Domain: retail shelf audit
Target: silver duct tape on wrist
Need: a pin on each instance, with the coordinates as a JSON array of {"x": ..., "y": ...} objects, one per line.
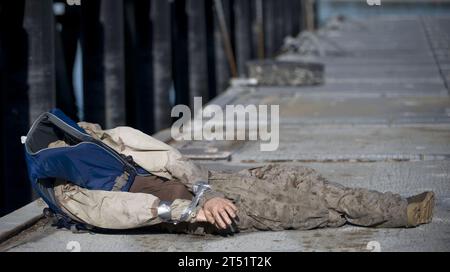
[
  {"x": 199, "y": 189},
  {"x": 164, "y": 211}
]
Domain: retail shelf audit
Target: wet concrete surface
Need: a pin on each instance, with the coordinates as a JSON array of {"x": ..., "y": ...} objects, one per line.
[
  {"x": 353, "y": 143},
  {"x": 331, "y": 109}
]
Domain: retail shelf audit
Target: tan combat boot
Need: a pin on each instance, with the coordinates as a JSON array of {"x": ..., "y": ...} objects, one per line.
[{"x": 420, "y": 209}]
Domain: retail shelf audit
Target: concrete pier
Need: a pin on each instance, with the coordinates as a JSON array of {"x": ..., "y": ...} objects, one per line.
[{"x": 381, "y": 120}]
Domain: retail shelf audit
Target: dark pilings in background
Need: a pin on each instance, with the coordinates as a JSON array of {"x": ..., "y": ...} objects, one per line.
[
  {"x": 162, "y": 62},
  {"x": 282, "y": 18},
  {"x": 14, "y": 185},
  {"x": 296, "y": 17},
  {"x": 92, "y": 40},
  {"x": 40, "y": 25},
  {"x": 67, "y": 45},
  {"x": 287, "y": 13},
  {"x": 103, "y": 62},
  {"x": 223, "y": 70},
  {"x": 180, "y": 53},
  {"x": 197, "y": 49},
  {"x": 139, "y": 75},
  {"x": 269, "y": 27},
  {"x": 258, "y": 29},
  {"x": 112, "y": 19},
  {"x": 309, "y": 14},
  {"x": 279, "y": 25},
  {"x": 210, "y": 48},
  {"x": 65, "y": 98},
  {"x": 243, "y": 34}
]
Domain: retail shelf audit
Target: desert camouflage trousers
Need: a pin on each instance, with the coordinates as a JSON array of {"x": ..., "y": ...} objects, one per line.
[{"x": 277, "y": 197}]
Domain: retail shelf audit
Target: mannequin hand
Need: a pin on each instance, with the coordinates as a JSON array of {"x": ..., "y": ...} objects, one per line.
[{"x": 219, "y": 212}]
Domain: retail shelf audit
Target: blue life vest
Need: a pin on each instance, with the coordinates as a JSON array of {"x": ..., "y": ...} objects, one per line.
[{"x": 86, "y": 162}]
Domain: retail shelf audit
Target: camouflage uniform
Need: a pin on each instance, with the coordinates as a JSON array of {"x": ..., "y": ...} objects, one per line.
[{"x": 277, "y": 197}]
